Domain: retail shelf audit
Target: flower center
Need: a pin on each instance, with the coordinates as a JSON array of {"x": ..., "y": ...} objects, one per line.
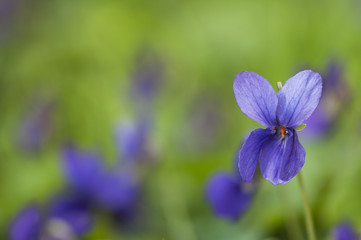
[{"x": 283, "y": 131}]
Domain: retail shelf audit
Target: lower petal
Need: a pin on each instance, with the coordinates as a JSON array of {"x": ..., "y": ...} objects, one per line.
[
  {"x": 282, "y": 158},
  {"x": 249, "y": 153}
]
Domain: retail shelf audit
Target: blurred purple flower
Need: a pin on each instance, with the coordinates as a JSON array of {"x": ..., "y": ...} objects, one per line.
[
  {"x": 333, "y": 77},
  {"x": 335, "y": 94},
  {"x": 148, "y": 75},
  {"x": 67, "y": 219},
  {"x": 116, "y": 191},
  {"x": 82, "y": 169},
  {"x": 75, "y": 211},
  {"x": 228, "y": 196},
  {"x": 110, "y": 189},
  {"x": 280, "y": 154},
  {"x": 36, "y": 127},
  {"x": 344, "y": 231},
  {"x": 26, "y": 225},
  {"x": 132, "y": 140},
  {"x": 318, "y": 124}
]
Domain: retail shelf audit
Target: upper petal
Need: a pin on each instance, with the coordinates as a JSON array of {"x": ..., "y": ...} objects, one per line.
[
  {"x": 256, "y": 98},
  {"x": 281, "y": 159},
  {"x": 249, "y": 153},
  {"x": 298, "y": 98}
]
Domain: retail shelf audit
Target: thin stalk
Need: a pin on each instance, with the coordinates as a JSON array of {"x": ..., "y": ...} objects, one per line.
[{"x": 308, "y": 218}]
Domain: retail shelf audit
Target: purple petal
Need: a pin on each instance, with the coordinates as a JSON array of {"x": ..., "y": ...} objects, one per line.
[
  {"x": 250, "y": 151},
  {"x": 344, "y": 231},
  {"x": 298, "y": 98},
  {"x": 116, "y": 191},
  {"x": 256, "y": 98},
  {"x": 82, "y": 169},
  {"x": 26, "y": 225},
  {"x": 281, "y": 159},
  {"x": 75, "y": 212},
  {"x": 227, "y": 197}
]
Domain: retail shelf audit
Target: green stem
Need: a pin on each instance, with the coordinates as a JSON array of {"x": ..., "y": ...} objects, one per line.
[{"x": 308, "y": 218}]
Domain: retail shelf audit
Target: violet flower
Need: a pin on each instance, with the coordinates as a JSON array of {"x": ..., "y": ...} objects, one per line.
[
  {"x": 228, "y": 196},
  {"x": 280, "y": 154},
  {"x": 344, "y": 231}
]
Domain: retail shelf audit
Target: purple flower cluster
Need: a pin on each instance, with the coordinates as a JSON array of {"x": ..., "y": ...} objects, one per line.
[
  {"x": 91, "y": 186},
  {"x": 280, "y": 154}
]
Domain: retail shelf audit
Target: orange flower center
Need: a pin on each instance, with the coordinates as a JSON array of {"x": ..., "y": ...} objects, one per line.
[{"x": 283, "y": 131}]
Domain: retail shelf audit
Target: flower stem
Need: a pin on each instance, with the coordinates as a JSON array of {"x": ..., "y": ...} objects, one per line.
[{"x": 308, "y": 218}]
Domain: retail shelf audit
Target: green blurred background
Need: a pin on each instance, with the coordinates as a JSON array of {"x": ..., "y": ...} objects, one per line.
[{"x": 82, "y": 56}]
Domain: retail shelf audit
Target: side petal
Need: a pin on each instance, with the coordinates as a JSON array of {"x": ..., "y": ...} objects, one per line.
[
  {"x": 256, "y": 98},
  {"x": 250, "y": 151},
  {"x": 281, "y": 159},
  {"x": 298, "y": 98}
]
